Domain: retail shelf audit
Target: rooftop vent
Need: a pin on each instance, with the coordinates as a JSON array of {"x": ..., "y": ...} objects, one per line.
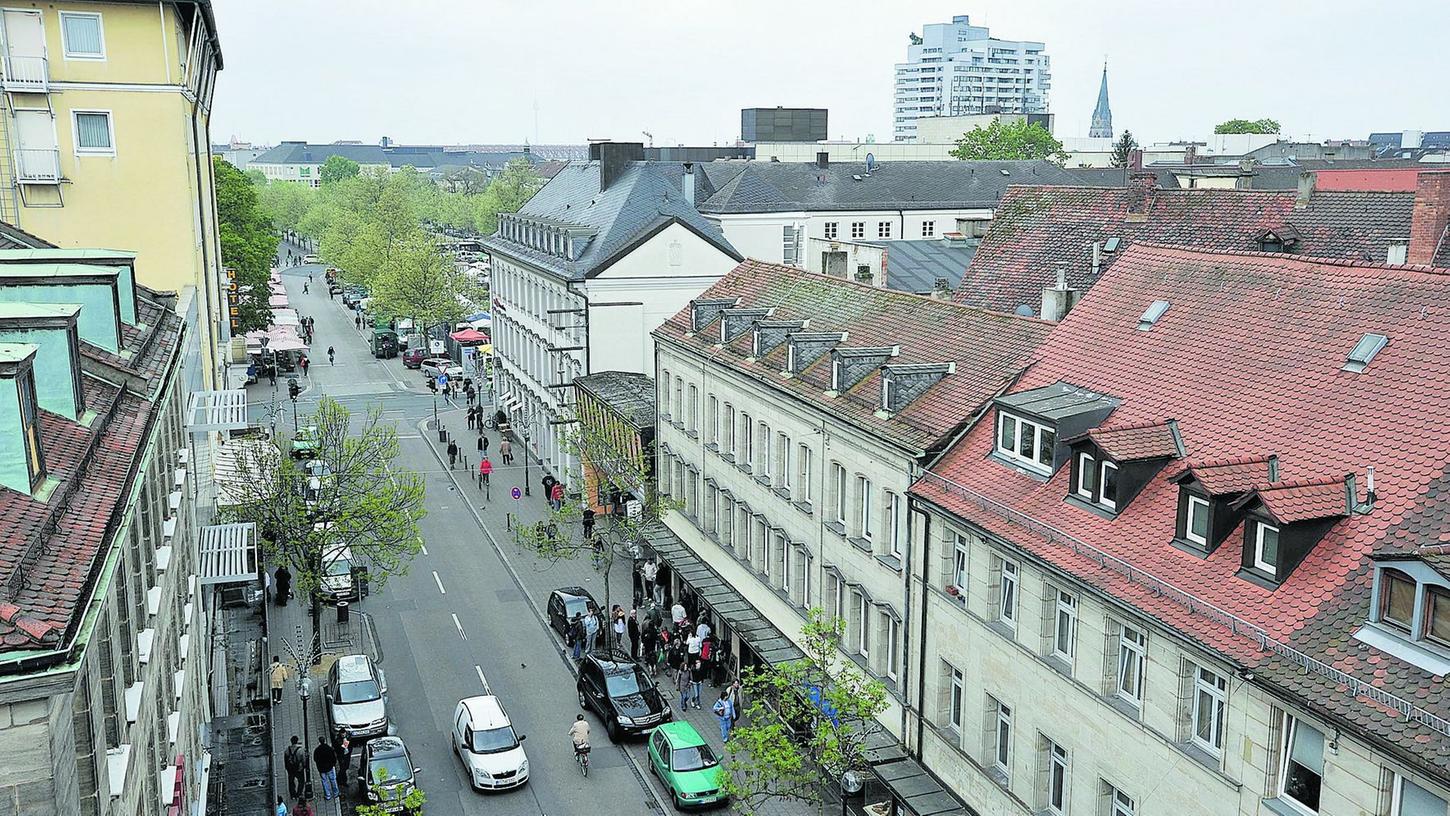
[
  {"x": 1364, "y": 351},
  {"x": 1152, "y": 314}
]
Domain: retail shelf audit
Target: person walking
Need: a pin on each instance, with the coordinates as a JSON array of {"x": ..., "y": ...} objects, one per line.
[
  {"x": 650, "y": 570},
  {"x": 692, "y": 646},
  {"x": 588, "y": 521},
  {"x": 482, "y": 440},
  {"x": 278, "y": 674},
  {"x": 295, "y": 761},
  {"x": 724, "y": 712},
  {"x": 272, "y": 374},
  {"x": 485, "y": 469},
  {"x": 697, "y": 678},
  {"x": 281, "y": 807},
  {"x": 304, "y": 287},
  {"x": 591, "y": 630},
  {"x": 547, "y": 482},
  {"x": 326, "y": 762},
  {"x": 452, "y": 454},
  {"x": 577, "y": 634},
  {"x": 556, "y": 496},
  {"x": 506, "y": 450},
  {"x": 677, "y": 614},
  {"x": 283, "y": 584},
  {"x": 303, "y": 808},
  {"x": 619, "y": 628},
  {"x": 682, "y": 683},
  {"x": 331, "y": 356},
  {"x": 650, "y": 642},
  {"x": 469, "y": 416},
  {"x": 342, "y": 749},
  {"x": 632, "y": 628},
  {"x": 304, "y": 363}
]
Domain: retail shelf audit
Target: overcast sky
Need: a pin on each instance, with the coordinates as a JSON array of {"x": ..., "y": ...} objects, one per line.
[{"x": 551, "y": 71}]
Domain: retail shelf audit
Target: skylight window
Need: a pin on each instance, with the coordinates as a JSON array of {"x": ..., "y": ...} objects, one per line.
[
  {"x": 1152, "y": 314},
  {"x": 1364, "y": 351},
  {"x": 1112, "y": 244}
]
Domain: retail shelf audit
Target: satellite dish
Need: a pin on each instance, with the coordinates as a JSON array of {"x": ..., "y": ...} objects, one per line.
[{"x": 870, "y": 162}]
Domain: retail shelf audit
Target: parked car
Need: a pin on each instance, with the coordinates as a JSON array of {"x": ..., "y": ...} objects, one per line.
[
  {"x": 311, "y": 259},
  {"x": 433, "y": 366},
  {"x": 334, "y": 288},
  {"x": 338, "y": 579},
  {"x": 486, "y": 744},
  {"x": 357, "y": 698},
  {"x": 305, "y": 442},
  {"x": 386, "y": 775},
  {"x": 562, "y": 605},
  {"x": 687, "y": 766},
  {"x": 413, "y": 357},
  {"x": 621, "y": 693}
]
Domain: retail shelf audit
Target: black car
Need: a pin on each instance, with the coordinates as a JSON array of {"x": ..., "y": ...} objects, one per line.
[
  {"x": 385, "y": 774},
  {"x": 564, "y": 602},
  {"x": 622, "y": 694}
]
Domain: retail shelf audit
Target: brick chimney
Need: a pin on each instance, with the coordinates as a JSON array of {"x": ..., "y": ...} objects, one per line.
[
  {"x": 1305, "y": 189},
  {"x": 1142, "y": 186},
  {"x": 1430, "y": 216}
]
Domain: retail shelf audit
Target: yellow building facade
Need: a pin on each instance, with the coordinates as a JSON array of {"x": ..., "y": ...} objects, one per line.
[{"x": 105, "y": 141}]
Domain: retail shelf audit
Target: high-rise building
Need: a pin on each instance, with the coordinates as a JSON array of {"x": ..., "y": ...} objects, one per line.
[
  {"x": 1102, "y": 126},
  {"x": 956, "y": 68}
]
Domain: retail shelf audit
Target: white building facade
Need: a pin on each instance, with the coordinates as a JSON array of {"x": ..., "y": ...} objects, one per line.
[{"x": 956, "y": 69}]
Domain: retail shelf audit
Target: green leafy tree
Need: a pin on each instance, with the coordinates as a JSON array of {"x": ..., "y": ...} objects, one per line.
[
  {"x": 509, "y": 191},
  {"x": 353, "y": 496},
  {"x": 1248, "y": 126},
  {"x": 381, "y": 797},
  {"x": 337, "y": 168},
  {"x": 791, "y": 744},
  {"x": 248, "y": 244},
  {"x": 1008, "y": 141},
  {"x": 1123, "y": 149},
  {"x": 423, "y": 284}
]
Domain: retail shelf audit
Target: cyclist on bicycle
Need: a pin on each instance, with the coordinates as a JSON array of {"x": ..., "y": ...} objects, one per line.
[
  {"x": 579, "y": 734},
  {"x": 331, "y": 354}
]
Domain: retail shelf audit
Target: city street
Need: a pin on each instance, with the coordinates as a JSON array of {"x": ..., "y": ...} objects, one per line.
[{"x": 459, "y": 622}]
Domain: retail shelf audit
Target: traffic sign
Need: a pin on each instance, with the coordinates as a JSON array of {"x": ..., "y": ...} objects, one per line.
[{"x": 516, "y": 493}]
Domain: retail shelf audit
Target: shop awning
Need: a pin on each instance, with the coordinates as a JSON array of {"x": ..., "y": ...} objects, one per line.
[
  {"x": 470, "y": 336},
  {"x": 228, "y": 553},
  {"x": 208, "y": 411},
  {"x": 916, "y": 791},
  {"x": 277, "y": 301}
]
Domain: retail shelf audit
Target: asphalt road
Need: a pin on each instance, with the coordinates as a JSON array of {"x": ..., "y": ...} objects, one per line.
[{"x": 457, "y": 623}]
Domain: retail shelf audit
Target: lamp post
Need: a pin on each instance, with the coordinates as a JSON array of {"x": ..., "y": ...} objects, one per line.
[
  {"x": 304, "y": 690},
  {"x": 851, "y": 785}
]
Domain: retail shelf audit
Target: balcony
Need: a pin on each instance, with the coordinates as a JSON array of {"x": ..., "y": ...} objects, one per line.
[
  {"x": 37, "y": 165},
  {"x": 26, "y": 74}
]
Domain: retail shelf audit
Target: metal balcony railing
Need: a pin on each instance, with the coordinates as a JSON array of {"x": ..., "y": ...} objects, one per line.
[
  {"x": 37, "y": 165},
  {"x": 27, "y": 74},
  {"x": 1355, "y": 686}
]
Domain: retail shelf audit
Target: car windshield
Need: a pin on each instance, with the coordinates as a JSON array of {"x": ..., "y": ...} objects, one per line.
[
  {"x": 387, "y": 770},
  {"x": 358, "y": 691},
  {"x": 695, "y": 758},
  {"x": 493, "y": 740},
  {"x": 625, "y": 682},
  {"x": 573, "y": 603},
  {"x": 338, "y": 566}
]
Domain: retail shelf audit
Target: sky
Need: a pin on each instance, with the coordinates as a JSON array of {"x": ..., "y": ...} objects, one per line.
[{"x": 563, "y": 71}]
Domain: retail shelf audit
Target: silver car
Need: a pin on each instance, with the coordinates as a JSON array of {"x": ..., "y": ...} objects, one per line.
[{"x": 357, "y": 698}]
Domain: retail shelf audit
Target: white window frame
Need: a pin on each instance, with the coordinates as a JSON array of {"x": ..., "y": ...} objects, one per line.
[
  {"x": 863, "y": 506},
  {"x": 712, "y": 419},
  {"x": 1118, "y": 802},
  {"x": 832, "y": 229},
  {"x": 78, "y": 56},
  {"x": 1002, "y": 739},
  {"x": 893, "y": 524},
  {"x": 1397, "y": 803},
  {"x": 1058, "y": 767},
  {"x": 763, "y": 444},
  {"x": 746, "y": 457},
  {"x": 1019, "y": 424},
  {"x": 883, "y": 229},
  {"x": 1087, "y": 465},
  {"x": 1211, "y": 686},
  {"x": 838, "y": 476},
  {"x": 928, "y": 229},
  {"x": 1201, "y": 506},
  {"x": 76, "y": 132},
  {"x": 1259, "y": 563},
  {"x": 1291, "y": 731},
  {"x": 891, "y": 660},
  {"x": 1064, "y": 621},
  {"x": 730, "y": 432},
  {"x": 803, "y": 461},
  {"x": 957, "y": 699},
  {"x": 858, "y": 229},
  {"x": 1111, "y": 504},
  {"x": 783, "y": 451},
  {"x": 961, "y": 562},
  {"x": 1007, "y": 593},
  {"x": 692, "y": 409},
  {"x": 863, "y": 628},
  {"x": 1132, "y": 646}
]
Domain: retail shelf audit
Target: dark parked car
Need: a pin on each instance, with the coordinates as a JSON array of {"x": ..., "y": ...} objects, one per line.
[
  {"x": 334, "y": 288},
  {"x": 622, "y": 694},
  {"x": 413, "y": 357},
  {"x": 564, "y": 602},
  {"x": 386, "y": 774}
]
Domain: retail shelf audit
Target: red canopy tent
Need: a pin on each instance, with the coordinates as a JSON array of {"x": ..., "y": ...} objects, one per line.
[{"x": 469, "y": 337}]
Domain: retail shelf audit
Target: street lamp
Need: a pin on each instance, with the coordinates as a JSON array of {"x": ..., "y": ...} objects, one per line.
[
  {"x": 851, "y": 784},
  {"x": 304, "y": 690}
]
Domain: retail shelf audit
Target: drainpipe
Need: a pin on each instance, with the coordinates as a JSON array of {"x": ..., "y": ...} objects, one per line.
[
  {"x": 915, "y": 750},
  {"x": 912, "y": 473}
]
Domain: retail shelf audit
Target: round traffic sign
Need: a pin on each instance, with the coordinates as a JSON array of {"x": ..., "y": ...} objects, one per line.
[{"x": 516, "y": 493}]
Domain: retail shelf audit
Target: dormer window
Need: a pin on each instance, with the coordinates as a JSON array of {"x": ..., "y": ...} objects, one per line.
[
  {"x": 1397, "y": 599},
  {"x": 1266, "y": 546},
  {"x": 1087, "y": 476},
  {"x": 1195, "y": 520},
  {"x": 1108, "y": 479},
  {"x": 1025, "y": 442},
  {"x": 1095, "y": 480},
  {"x": 1410, "y": 613}
]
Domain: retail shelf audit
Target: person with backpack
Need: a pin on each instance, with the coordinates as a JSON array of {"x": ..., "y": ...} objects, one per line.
[
  {"x": 295, "y": 761},
  {"x": 577, "y": 635}
]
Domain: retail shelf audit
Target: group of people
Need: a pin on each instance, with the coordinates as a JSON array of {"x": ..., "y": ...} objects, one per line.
[
  {"x": 331, "y": 757},
  {"x": 553, "y": 491}
]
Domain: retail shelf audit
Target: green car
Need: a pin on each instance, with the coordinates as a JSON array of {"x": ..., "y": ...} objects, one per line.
[
  {"x": 304, "y": 442},
  {"x": 681, "y": 758}
]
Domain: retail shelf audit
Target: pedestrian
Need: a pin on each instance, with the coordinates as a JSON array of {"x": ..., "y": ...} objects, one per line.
[
  {"x": 331, "y": 356},
  {"x": 702, "y": 629},
  {"x": 357, "y": 322},
  {"x": 303, "y": 808},
  {"x": 591, "y": 630},
  {"x": 304, "y": 362},
  {"x": 283, "y": 585},
  {"x": 482, "y": 442},
  {"x": 650, "y": 643},
  {"x": 342, "y": 748},
  {"x": 505, "y": 450},
  {"x": 577, "y": 634},
  {"x": 736, "y": 700},
  {"x": 281, "y": 807},
  {"x": 485, "y": 469},
  {"x": 279, "y": 674},
  {"x": 692, "y": 646},
  {"x": 452, "y": 454},
  {"x": 304, "y": 287},
  {"x": 547, "y": 482},
  {"x": 677, "y": 614},
  {"x": 682, "y": 684},
  {"x": 697, "y": 677},
  {"x": 272, "y": 374},
  {"x": 632, "y": 627},
  {"x": 724, "y": 712},
  {"x": 588, "y": 517},
  {"x": 295, "y": 761},
  {"x": 326, "y": 762},
  {"x": 650, "y": 571},
  {"x": 619, "y": 627},
  {"x": 469, "y": 415},
  {"x": 556, "y": 496}
]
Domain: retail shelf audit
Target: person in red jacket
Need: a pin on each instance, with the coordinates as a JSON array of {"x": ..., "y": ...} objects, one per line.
[
  {"x": 556, "y": 495},
  {"x": 485, "y": 469}
]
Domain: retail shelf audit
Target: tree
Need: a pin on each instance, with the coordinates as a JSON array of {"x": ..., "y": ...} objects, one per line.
[
  {"x": 508, "y": 192},
  {"x": 248, "y": 244},
  {"x": 412, "y": 802},
  {"x": 1008, "y": 141},
  {"x": 807, "y": 721},
  {"x": 1248, "y": 126},
  {"x": 337, "y": 168},
  {"x": 422, "y": 284},
  {"x": 1123, "y": 149},
  {"x": 354, "y": 496}
]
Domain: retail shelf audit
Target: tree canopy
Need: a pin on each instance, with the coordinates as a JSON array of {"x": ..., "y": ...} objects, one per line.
[
  {"x": 1123, "y": 149},
  {"x": 1248, "y": 126},
  {"x": 248, "y": 244},
  {"x": 337, "y": 168},
  {"x": 1007, "y": 141}
]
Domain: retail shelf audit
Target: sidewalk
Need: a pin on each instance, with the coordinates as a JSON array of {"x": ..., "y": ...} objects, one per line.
[
  {"x": 290, "y": 626},
  {"x": 540, "y": 576}
]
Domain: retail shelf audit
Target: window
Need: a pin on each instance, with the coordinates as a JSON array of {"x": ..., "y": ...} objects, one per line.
[
  {"x": 1001, "y": 737},
  {"x": 960, "y": 556},
  {"x": 747, "y": 446},
  {"x": 891, "y": 628},
  {"x": 665, "y": 392},
  {"x": 1303, "y": 763},
  {"x": 1064, "y": 632},
  {"x": 1412, "y": 800},
  {"x": 729, "y": 429},
  {"x": 803, "y": 474},
  {"x": 883, "y": 229},
  {"x": 831, "y": 229},
  {"x": 82, "y": 35},
  {"x": 1109, "y": 483},
  {"x": 863, "y": 507},
  {"x": 93, "y": 133},
  {"x": 1397, "y": 599},
  {"x": 1195, "y": 520},
  {"x": 790, "y": 238},
  {"x": 762, "y": 447},
  {"x": 928, "y": 229},
  {"x": 838, "y": 597},
  {"x": 1117, "y": 803},
  {"x": 692, "y": 410},
  {"x": 1024, "y": 441},
  {"x": 858, "y": 229},
  {"x": 1266, "y": 547},
  {"x": 1087, "y": 476},
  {"x": 783, "y": 470},
  {"x": 838, "y": 482},
  {"x": 712, "y": 420},
  {"x": 30, "y": 428},
  {"x": 893, "y": 524},
  {"x": 678, "y": 401},
  {"x": 1056, "y": 793},
  {"x": 863, "y": 624},
  {"x": 1007, "y": 594},
  {"x": 957, "y": 695},
  {"x": 1437, "y": 615},
  {"x": 1210, "y": 706},
  {"x": 1132, "y": 657}
]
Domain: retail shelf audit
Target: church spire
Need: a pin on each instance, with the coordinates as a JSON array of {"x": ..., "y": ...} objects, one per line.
[{"x": 1102, "y": 126}]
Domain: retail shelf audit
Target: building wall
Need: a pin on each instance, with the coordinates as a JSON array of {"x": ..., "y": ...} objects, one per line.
[
  {"x": 853, "y": 151},
  {"x": 763, "y": 235}
]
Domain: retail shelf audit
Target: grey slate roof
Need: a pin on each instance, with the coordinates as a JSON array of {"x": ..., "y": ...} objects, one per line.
[
  {"x": 630, "y": 393},
  {"x": 422, "y": 157},
  {"x": 645, "y": 198},
  {"x": 753, "y": 187},
  {"x": 13, "y": 237},
  {"x": 914, "y": 266}
]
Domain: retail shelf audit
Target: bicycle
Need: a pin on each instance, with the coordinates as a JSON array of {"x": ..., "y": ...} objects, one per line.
[{"x": 581, "y": 756}]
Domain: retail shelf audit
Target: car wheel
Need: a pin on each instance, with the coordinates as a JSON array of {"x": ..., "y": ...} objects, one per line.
[
  {"x": 675, "y": 799},
  {"x": 613, "y": 730}
]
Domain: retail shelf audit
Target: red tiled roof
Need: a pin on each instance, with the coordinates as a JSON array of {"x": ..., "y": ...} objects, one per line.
[
  {"x": 1303, "y": 501},
  {"x": 1037, "y": 230},
  {"x": 1228, "y": 477},
  {"x": 989, "y": 348},
  {"x": 1249, "y": 359},
  {"x": 1129, "y": 443}
]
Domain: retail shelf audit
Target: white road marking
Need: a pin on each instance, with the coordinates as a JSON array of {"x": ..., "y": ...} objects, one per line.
[
  {"x": 423, "y": 547},
  {"x": 459, "y": 627},
  {"x": 439, "y": 582},
  {"x": 483, "y": 680}
]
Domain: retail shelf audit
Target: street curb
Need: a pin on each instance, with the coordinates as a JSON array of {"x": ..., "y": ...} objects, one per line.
[{"x": 639, "y": 772}]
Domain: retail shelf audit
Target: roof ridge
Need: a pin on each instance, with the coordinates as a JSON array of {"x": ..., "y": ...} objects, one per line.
[
  {"x": 1228, "y": 461},
  {"x": 1282, "y": 256},
  {"x": 1323, "y": 481},
  {"x": 1132, "y": 426}
]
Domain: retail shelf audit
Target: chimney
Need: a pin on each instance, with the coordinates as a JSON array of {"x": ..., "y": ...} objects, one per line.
[
  {"x": 1306, "y": 189},
  {"x": 614, "y": 159},
  {"x": 1142, "y": 186},
  {"x": 688, "y": 184},
  {"x": 823, "y": 159},
  {"x": 941, "y": 289},
  {"x": 1430, "y": 215},
  {"x": 1135, "y": 159},
  {"x": 1059, "y": 299}
]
